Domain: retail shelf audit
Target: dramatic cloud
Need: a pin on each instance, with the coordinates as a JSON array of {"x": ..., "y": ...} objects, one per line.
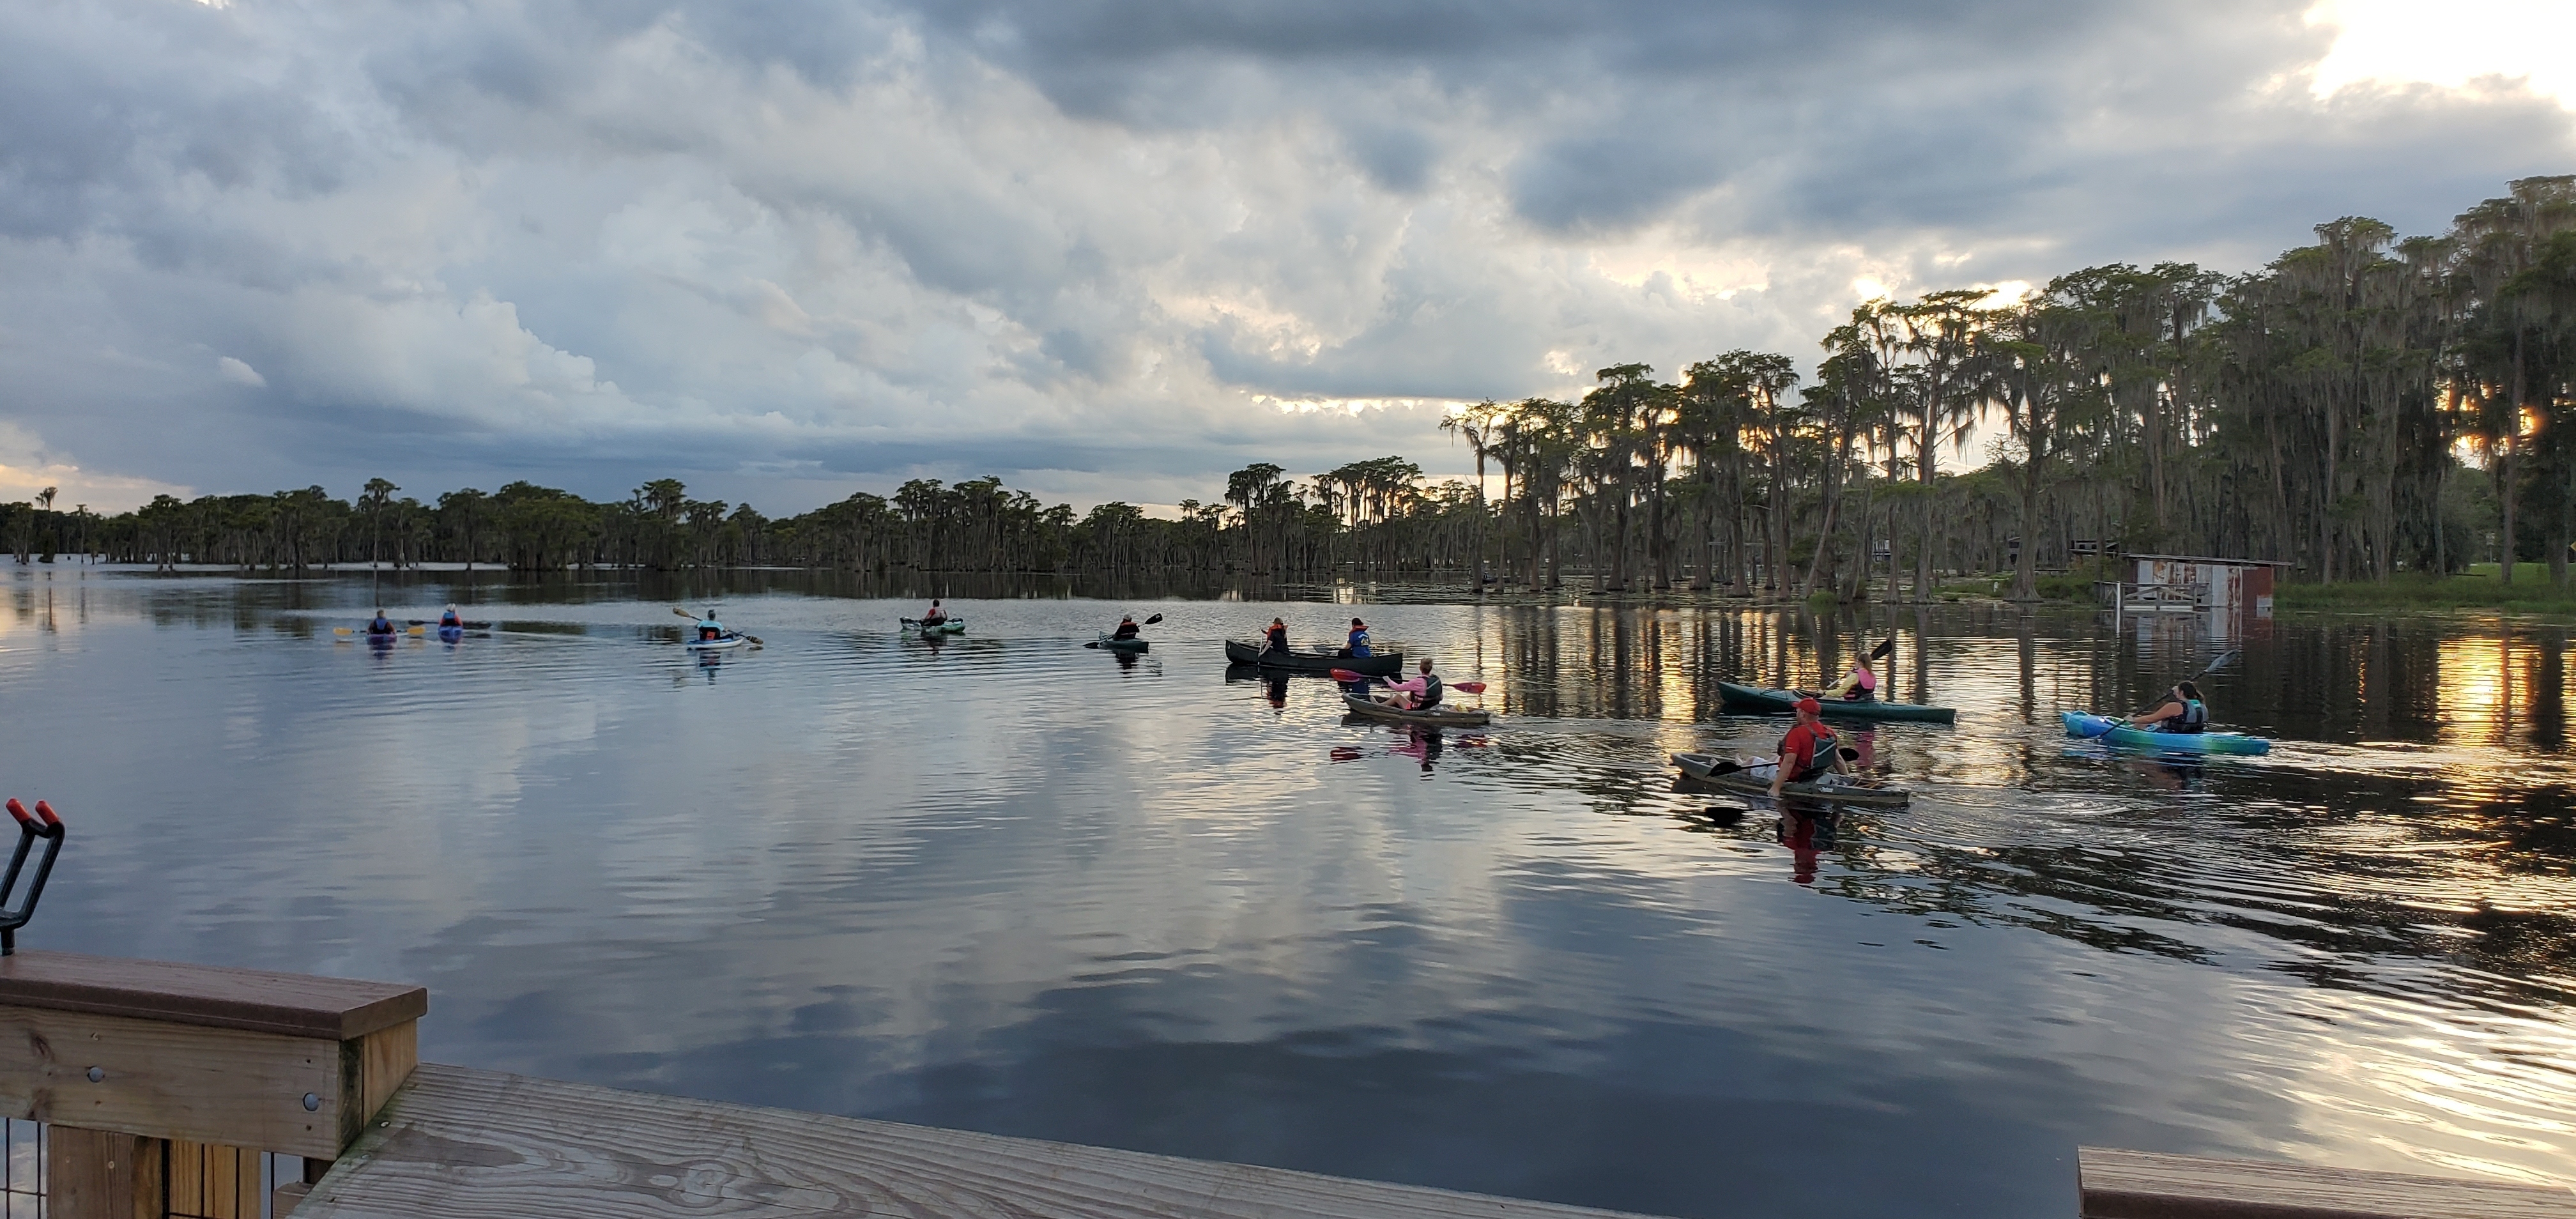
[{"x": 1104, "y": 248}]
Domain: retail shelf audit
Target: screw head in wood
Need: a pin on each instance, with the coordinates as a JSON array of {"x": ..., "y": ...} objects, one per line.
[
  {"x": 98, "y": 1075},
  {"x": 311, "y": 1102}
]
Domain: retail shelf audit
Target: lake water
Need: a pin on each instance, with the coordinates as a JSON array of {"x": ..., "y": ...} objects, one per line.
[{"x": 1010, "y": 884}]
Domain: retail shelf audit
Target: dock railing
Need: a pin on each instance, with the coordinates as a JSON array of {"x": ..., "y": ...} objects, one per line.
[{"x": 162, "y": 1085}]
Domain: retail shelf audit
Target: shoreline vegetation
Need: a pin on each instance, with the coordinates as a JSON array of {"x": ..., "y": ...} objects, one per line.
[{"x": 2394, "y": 418}]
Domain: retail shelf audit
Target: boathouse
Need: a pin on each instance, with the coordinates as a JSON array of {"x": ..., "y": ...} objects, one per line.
[{"x": 2226, "y": 586}]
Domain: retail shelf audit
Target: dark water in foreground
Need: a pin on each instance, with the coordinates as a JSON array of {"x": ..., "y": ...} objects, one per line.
[{"x": 1014, "y": 885}]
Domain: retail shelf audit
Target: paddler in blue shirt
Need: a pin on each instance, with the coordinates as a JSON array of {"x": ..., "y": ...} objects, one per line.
[
  {"x": 1359, "y": 639},
  {"x": 709, "y": 628}
]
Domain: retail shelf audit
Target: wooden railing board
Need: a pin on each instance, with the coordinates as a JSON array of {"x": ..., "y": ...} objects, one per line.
[
  {"x": 253, "y": 1000},
  {"x": 2147, "y": 1185},
  {"x": 465, "y": 1144}
]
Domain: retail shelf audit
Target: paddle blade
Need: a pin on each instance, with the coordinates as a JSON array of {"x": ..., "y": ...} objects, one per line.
[
  {"x": 1347, "y": 675},
  {"x": 1093, "y": 644},
  {"x": 1151, "y": 621},
  {"x": 1470, "y": 687},
  {"x": 342, "y": 630},
  {"x": 418, "y": 630},
  {"x": 1884, "y": 650},
  {"x": 681, "y": 612}
]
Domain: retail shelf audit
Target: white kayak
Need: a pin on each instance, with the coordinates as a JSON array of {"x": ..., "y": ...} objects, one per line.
[{"x": 717, "y": 644}]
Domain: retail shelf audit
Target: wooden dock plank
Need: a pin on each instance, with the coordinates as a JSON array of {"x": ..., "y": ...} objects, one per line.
[
  {"x": 2146, "y": 1185},
  {"x": 334, "y": 1009},
  {"x": 176, "y": 1081},
  {"x": 464, "y": 1144}
]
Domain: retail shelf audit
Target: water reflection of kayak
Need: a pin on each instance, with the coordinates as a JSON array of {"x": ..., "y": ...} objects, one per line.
[
  {"x": 1785, "y": 702},
  {"x": 1706, "y": 767},
  {"x": 2112, "y": 732}
]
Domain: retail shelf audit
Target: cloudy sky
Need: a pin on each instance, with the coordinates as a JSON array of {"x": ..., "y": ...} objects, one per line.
[{"x": 1106, "y": 249}]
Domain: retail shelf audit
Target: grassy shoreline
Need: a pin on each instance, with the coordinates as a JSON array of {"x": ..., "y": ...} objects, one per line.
[{"x": 2477, "y": 588}]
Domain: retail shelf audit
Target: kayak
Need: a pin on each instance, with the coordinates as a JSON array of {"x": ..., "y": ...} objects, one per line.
[
  {"x": 2113, "y": 732},
  {"x": 1121, "y": 645},
  {"x": 717, "y": 644},
  {"x": 1703, "y": 767},
  {"x": 1245, "y": 652},
  {"x": 1785, "y": 702},
  {"x": 1439, "y": 717},
  {"x": 450, "y": 634},
  {"x": 945, "y": 626},
  {"x": 468, "y": 624}
]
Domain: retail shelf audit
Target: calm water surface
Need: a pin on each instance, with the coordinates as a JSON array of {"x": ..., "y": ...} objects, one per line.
[{"x": 1010, "y": 884}]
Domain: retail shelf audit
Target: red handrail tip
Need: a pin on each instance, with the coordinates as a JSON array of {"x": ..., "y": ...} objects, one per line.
[
  {"x": 46, "y": 811},
  {"x": 18, "y": 810}
]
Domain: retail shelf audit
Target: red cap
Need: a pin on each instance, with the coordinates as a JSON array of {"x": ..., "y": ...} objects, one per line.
[{"x": 1811, "y": 706}]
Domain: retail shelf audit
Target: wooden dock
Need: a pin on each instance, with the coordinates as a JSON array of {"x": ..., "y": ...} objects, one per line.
[{"x": 164, "y": 1084}]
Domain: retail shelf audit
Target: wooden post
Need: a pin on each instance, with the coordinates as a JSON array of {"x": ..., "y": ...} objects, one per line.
[{"x": 163, "y": 1083}]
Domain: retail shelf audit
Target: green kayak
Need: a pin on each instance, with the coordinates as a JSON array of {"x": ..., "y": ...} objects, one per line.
[{"x": 1785, "y": 702}]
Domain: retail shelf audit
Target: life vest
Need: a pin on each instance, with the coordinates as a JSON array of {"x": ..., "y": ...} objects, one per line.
[
  {"x": 1430, "y": 692},
  {"x": 1820, "y": 752},
  {"x": 2194, "y": 717},
  {"x": 381, "y": 626},
  {"x": 1278, "y": 637},
  {"x": 450, "y": 618}
]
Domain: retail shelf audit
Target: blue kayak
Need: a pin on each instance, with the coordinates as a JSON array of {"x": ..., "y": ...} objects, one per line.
[{"x": 2113, "y": 732}]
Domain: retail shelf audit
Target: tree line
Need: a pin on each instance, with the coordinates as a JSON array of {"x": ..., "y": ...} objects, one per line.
[{"x": 2364, "y": 405}]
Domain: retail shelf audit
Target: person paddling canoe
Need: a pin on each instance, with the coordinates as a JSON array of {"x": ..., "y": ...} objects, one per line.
[
  {"x": 2182, "y": 711},
  {"x": 1359, "y": 644},
  {"x": 1809, "y": 752},
  {"x": 1276, "y": 638}
]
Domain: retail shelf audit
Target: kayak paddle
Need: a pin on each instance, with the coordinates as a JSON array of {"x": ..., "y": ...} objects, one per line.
[
  {"x": 2206, "y": 670},
  {"x": 414, "y": 631},
  {"x": 1463, "y": 687},
  {"x": 1848, "y": 753}
]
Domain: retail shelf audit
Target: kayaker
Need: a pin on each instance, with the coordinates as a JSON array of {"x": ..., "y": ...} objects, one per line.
[
  {"x": 1359, "y": 645},
  {"x": 709, "y": 628},
  {"x": 934, "y": 615},
  {"x": 381, "y": 625},
  {"x": 1858, "y": 686},
  {"x": 2182, "y": 712},
  {"x": 451, "y": 619},
  {"x": 1420, "y": 694},
  {"x": 1809, "y": 752},
  {"x": 1127, "y": 628},
  {"x": 1277, "y": 637}
]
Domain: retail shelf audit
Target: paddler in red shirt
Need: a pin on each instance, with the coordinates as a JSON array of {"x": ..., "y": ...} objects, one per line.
[{"x": 1809, "y": 751}]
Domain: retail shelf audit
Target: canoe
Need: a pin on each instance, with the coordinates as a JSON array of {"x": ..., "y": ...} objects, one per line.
[
  {"x": 714, "y": 645},
  {"x": 945, "y": 626},
  {"x": 2113, "y": 732},
  {"x": 1785, "y": 702},
  {"x": 1108, "y": 644},
  {"x": 1701, "y": 766},
  {"x": 1438, "y": 717},
  {"x": 1243, "y": 652}
]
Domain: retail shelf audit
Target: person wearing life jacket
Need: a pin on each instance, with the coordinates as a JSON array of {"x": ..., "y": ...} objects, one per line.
[
  {"x": 709, "y": 629},
  {"x": 934, "y": 615},
  {"x": 1359, "y": 644},
  {"x": 1276, "y": 638},
  {"x": 2182, "y": 712},
  {"x": 1809, "y": 752},
  {"x": 1420, "y": 694},
  {"x": 451, "y": 619},
  {"x": 1858, "y": 686},
  {"x": 381, "y": 625},
  {"x": 1127, "y": 628}
]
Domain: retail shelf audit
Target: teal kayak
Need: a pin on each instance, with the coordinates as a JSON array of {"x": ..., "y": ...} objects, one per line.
[
  {"x": 945, "y": 626},
  {"x": 2112, "y": 732},
  {"x": 1741, "y": 698}
]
